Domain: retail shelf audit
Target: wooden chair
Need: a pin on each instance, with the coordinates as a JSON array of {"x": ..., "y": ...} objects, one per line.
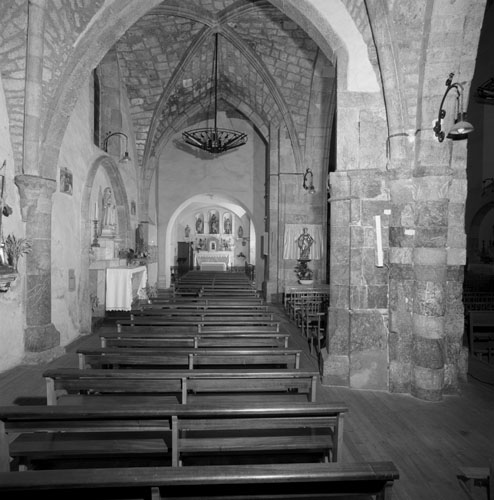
[
  {"x": 481, "y": 334},
  {"x": 313, "y": 322}
]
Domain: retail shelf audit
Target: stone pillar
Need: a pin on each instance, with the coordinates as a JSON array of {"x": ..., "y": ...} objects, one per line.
[
  {"x": 401, "y": 283},
  {"x": 36, "y": 193},
  {"x": 430, "y": 275},
  {"x": 34, "y": 82},
  {"x": 336, "y": 358},
  {"x": 272, "y": 283}
]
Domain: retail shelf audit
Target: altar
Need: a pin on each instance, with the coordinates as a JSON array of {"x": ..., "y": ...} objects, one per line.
[
  {"x": 123, "y": 286},
  {"x": 213, "y": 261}
]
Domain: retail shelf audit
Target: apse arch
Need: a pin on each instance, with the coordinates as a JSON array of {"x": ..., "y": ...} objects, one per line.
[{"x": 221, "y": 200}]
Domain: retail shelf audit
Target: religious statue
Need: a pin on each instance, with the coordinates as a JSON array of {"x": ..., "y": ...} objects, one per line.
[
  {"x": 199, "y": 225},
  {"x": 187, "y": 231},
  {"x": 304, "y": 242},
  {"x": 108, "y": 221},
  {"x": 227, "y": 225},
  {"x": 213, "y": 224}
]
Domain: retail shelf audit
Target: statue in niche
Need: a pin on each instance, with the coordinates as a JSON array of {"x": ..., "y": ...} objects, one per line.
[
  {"x": 304, "y": 242},
  {"x": 187, "y": 231},
  {"x": 227, "y": 225},
  {"x": 108, "y": 222},
  {"x": 213, "y": 224},
  {"x": 199, "y": 225}
]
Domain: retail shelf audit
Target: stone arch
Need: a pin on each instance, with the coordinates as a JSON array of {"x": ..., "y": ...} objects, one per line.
[
  {"x": 222, "y": 198},
  {"x": 110, "y": 167},
  {"x": 181, "y": 122},
  {"x": 247, "y": 52},
  {"x": 473, "y": 230},
  {"x": 318, "y": 19}
]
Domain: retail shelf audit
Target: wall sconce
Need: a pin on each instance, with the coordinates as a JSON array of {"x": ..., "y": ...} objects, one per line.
[
  {"x": 461, "y": 127},
  {"x": 309, "y": 181},
  {"x": 125, "y": 158}
]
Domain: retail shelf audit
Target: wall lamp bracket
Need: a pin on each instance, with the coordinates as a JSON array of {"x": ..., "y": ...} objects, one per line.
[
  {"x": 125, "y": 158},
  {"x": 461, "y": 127}
]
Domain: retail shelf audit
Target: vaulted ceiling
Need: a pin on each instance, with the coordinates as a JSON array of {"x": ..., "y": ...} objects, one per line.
[{"x": 266, "y": 65}]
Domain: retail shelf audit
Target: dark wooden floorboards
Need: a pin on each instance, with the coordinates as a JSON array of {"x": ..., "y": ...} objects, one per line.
[{"x": 426, "y": 441}]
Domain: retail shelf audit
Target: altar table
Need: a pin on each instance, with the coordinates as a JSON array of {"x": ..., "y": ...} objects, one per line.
[
  {"x": 123, "y": 286},
  {"x": 213, "y": 261}
]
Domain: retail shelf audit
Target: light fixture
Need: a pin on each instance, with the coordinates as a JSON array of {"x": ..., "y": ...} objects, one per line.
[
  {"x": 125, "y": 158},
  {"x": 461, "y": 128},
  {"x": 215, "y": 140},
  {"x": 486, "y": 90},
  {"x": 309, "y": 181}
]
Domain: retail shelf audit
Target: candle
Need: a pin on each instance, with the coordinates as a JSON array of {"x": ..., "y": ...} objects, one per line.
[{"x": 96, "y": 211}]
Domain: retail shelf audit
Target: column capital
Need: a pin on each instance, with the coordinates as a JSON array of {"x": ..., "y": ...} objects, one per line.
[{"x": 34, "y": 191}]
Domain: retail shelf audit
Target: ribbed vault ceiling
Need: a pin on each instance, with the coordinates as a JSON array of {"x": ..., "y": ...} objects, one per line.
[{"x": 265, "y": 66}]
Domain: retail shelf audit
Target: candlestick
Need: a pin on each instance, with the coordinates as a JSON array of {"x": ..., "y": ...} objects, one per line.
[
  {"x": 96, "y": 211},
  {"x": 95, "y": 237}
]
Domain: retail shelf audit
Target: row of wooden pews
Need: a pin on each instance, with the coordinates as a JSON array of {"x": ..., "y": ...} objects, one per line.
[{"x": 178, "y": 405}]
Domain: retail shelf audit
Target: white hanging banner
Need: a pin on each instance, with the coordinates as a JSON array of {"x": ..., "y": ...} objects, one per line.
[{"x": 292, "y": 233}]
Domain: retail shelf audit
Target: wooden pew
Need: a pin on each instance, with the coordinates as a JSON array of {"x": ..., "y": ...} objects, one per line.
[
  {"x": 234, "y": 328},
  {"x": 178, "y": 383},
  {"x": 169, "y": 434},
  {"x": 187, "y": 357},
  {"x": 147, "y": 337},
  {"x": 225, "y": 315},
  {"x": 225, "y": 302},
  {"x": 197, "y": 306},
  {"x": 204, "y": 305},
  {"x": 197, "y": 324},
  {"x": 273, "y": 481}
]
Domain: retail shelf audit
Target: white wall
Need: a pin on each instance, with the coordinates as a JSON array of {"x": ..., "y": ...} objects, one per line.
[{"x": 11, "y": 302}]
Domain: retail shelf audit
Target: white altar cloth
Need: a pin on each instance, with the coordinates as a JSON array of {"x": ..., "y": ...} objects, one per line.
[
  {"x": 219, "y": 257},
  {"x": 123, "y": 285}
]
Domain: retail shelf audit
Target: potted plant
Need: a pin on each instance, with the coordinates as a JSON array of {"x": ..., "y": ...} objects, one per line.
[
  {"x": 15, "y": 248},
  {"x": 304, "y": 273}
]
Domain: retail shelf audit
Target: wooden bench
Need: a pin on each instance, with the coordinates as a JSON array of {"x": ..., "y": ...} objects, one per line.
[
  {"x": 147, "y": 337},
  {"x": 225, "y": 315},
  {"x": 187, "y": 306},
  {"x": 273, "y": 481},
  {"x": 234, "y": 328},
  {"x": 188, "y": 357},
  {"x": 197, "y": 324},
  {"x": 178, "y": 382},
  {"x": 471, "y": 477},
  {"x": 169, "y": 434},
  {"x": 481, "y": 334},
  {"x": 228, "y": 302}
]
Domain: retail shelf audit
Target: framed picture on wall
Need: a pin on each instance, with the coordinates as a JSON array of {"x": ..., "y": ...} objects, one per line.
[{"x": 65, "y": 180}]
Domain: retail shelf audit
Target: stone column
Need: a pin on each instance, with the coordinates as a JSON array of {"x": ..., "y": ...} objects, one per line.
[
  {"x": 430, "y": 276},
  {"x": 36, "y": 205},
  {"x": 34, "y": 83},
  {"x": 272, "y": 283},
  {"x": 336, "y": 358}
]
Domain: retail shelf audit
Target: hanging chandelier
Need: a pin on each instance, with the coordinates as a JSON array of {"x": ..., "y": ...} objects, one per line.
[{"x": 215, "y": 140}]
